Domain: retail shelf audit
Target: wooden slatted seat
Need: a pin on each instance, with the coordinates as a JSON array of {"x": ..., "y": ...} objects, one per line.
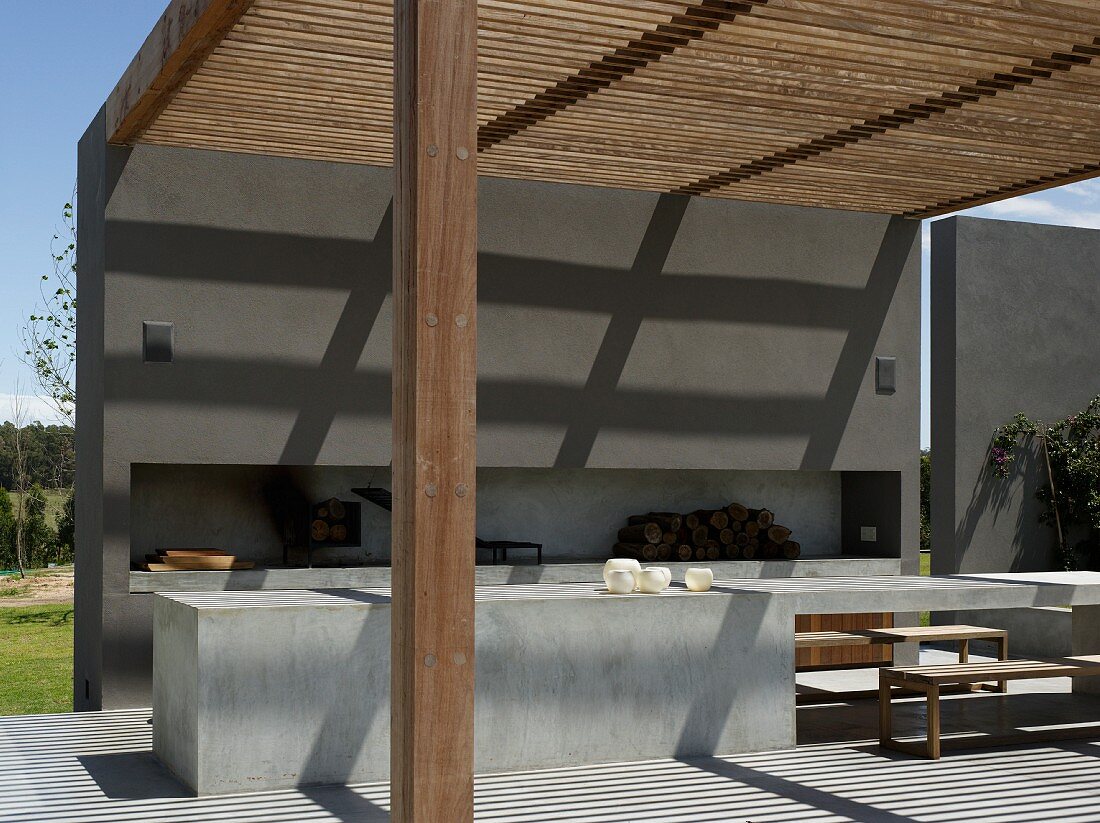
[
  {"x": 960, "y": 634},
  {"x": 931, "y": 680},
  {"x": 906, "y": 634}
]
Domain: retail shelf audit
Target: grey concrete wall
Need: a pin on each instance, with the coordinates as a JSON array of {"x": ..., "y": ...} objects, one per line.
[
  {"x": 89, "y": 502},
  {"x": 1041, "y": 631},
  {"x": 1014, "y": 329},
  {"x": 618, "y": 330}
]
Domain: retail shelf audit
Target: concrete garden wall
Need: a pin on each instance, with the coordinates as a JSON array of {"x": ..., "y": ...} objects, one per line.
[{"x": 1014, "y": 329}]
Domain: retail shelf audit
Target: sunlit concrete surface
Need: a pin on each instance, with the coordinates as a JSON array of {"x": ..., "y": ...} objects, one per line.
[{"x": 99, "y": 768}]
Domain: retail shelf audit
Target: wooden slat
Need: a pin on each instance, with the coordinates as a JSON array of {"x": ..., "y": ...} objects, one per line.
[
  {"x": 180, "y": 41},
  {"x": 434, "y": 391},
  {"x": 1079, "y": 666},
  {"x": 911, "y": 107},
  {"x": 649, "y": 47}
]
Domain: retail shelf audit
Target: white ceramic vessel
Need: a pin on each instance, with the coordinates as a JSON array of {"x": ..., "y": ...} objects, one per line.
[
  {"x": 667, "y": 572},
  {"x": 619, "y": 581},
  {"x": 654, "y": 580},
  {"x": 698, "y": 580},
  {"x": 622, "y": 564}
]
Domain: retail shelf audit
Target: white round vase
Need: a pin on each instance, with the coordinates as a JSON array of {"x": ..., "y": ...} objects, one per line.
[
  {"x": 619, "y": 581},
  {"x": 654, "y": 580},
  {"x": 622, "y": 564},
  {"x": 698, "y": 580}
]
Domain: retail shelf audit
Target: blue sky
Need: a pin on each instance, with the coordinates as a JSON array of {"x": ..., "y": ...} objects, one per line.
[{"x": 60, "y": 59}]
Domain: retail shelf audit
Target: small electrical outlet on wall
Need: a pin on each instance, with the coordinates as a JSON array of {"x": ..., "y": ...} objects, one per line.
[{"x": 868, "y": 534}]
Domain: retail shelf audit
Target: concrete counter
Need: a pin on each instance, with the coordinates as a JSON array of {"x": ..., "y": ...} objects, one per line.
[
  {"x": 277, "y": 578},
  {"x": 262, "y": 690}
]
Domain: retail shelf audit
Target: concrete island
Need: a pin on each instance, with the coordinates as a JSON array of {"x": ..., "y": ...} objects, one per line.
[{"x": 272, "y": 689}]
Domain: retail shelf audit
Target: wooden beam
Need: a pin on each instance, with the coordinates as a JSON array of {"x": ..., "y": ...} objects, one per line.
[
  {"x": 179, "y": 43},
  {"x": 1039, "y": 68},
  {"x": 1074, "y": 175},
  {"x": 434, "y": 392},
  {"x": 649, "y": 47}
]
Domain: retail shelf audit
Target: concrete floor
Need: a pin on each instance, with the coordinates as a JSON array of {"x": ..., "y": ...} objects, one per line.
[{"x": 98, "y": 767}]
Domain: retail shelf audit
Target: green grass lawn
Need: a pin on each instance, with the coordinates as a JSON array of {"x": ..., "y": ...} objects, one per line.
[{"x": 36, "y": 659}]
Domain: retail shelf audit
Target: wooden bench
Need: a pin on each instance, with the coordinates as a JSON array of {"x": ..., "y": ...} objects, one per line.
[
  {"x": 931, "y": 680},
  {"x": 962, "y": 635}
]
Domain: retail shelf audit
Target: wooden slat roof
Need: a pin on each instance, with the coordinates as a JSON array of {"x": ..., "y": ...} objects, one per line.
[{"x": 913, "y": 107}]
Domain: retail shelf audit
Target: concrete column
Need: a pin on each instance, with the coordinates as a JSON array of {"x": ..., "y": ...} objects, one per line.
[{"x": 1086, "y": 640}]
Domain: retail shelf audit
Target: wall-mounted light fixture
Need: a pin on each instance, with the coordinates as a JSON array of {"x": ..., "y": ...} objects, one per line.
[
  {"x": 886, "y": 375},
  {"x": 157, "y": 340}
]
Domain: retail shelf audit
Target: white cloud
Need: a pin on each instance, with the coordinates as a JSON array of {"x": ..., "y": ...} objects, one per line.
[
  {"x": 1082, "y": 209},
  {"x": 35, "y": 408},
  {"x": 1088, "y": 189}
]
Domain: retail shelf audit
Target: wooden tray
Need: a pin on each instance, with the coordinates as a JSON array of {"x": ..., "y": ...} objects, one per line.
[
  {"x": 233, "y": 565},
  {"x": 192, "y": 553},
  {"x": 215, "y": 563}
]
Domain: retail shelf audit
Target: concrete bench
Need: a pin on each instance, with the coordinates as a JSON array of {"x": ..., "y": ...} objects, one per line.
[{"x": 931, "y": 680}]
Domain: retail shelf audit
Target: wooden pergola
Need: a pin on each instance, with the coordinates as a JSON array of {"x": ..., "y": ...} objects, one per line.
[{"x": 906, "y": 107}]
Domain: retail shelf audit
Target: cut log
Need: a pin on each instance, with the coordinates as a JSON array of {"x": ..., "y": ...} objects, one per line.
[
  {"x": 664, "y": 551},
  {"x": 669, "y": 537},
  {"x": 669, "y": 521},
  {"x": 726, "y": 536},
  {"x": 645, "y": 533},
  {"x": 318, "y": 530},
  {"x": 649, "y": 551},
  {"x": 336, "y": 509},
  {"x": 741, "y": 539},
  {"x": 732, "y": 552},
  {"x": 752, "y": 528},
  {"x": 791, "y": 549},
  {"x": 714, "y": 551},
  {"x": 684, "y": 552},
  {"x": 719, "y": 519},
  {"x": 700, "y": 535},
  {"x": 637, "y": 520},
  {"x": 748, "y": 551},
  {"x": 765, "y": 518},
  {"x": 736, "y": 525},
  {"x": 769, "y": 550},
  {"x": 338, "y": 532},
  {"x": 737, "y": 512},
  {"x": 700, "y": 553},
  {"x": 631, "y": 550},
  {"x": 693, "y": 520},
  {"x": 778, "y": 534}
]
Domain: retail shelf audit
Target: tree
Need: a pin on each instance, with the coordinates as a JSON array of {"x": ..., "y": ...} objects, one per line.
[
  {"x": 49, "y": 450},
  {"x": 49, "y": 334},
  {"x": 7, "y": 530},
  {"x": 18, "y": 414},
  {"x": 1070, "y": 452},
  {"x": 66, "y": 530},
  {"x": 38, "y": 538}
]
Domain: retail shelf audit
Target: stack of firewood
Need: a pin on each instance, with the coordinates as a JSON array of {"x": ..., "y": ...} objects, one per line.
[{"x": 730, "y": 533}]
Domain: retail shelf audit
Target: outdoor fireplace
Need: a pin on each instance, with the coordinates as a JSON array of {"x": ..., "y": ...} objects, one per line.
[{"x": 273, "y": 515}]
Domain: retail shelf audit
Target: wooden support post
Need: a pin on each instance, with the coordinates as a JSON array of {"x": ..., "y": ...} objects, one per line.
[
  {"x": 434, "y": 389},
  {"x": 932, "y": 700}
]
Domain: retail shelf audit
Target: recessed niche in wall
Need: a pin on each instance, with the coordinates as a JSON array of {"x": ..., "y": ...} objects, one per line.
[{"x": 574, "y": 513}]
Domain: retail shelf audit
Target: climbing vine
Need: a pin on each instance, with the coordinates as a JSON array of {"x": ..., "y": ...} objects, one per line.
[{"x": 1070, "y": 451}]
